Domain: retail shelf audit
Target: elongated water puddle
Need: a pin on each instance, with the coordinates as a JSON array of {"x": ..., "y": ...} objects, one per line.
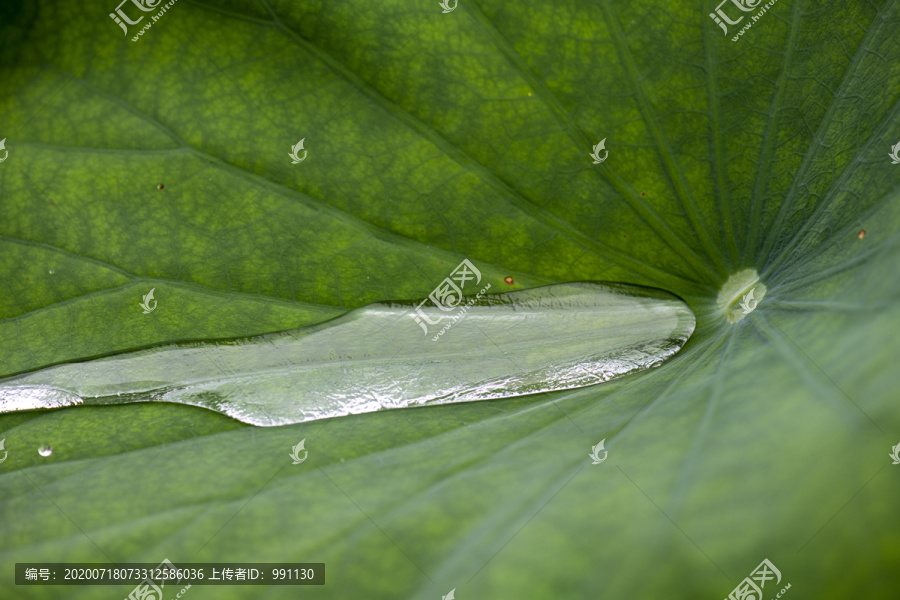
[{"x": 524, "y": 342}]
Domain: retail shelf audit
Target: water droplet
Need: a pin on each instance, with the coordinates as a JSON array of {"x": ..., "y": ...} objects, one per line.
[
  {"x": 52, "y": 271},
  {"x": 160, "y": 186},
  {"x": 862, "y": 234},
  {"x": 45, "y": 450},
  {"x": 509, "y": 280},
  {"x": 515, "y": 343}
]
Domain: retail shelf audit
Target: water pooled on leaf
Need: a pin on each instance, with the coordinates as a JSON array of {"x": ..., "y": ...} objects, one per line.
[
  {"x": 45, "y": 450},
  {"x": 521, "y": 342}
]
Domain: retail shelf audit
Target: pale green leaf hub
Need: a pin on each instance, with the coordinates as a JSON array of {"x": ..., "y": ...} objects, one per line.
[{"x": 740, "y": 295}]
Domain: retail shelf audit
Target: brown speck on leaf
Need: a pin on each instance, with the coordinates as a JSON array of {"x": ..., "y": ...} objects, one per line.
[
  {"x": 508, "y": 280},
  {"x": 160, "y": 186},
  {"x": 643, "y": 194},
  {"x": 862, "y": 234}
]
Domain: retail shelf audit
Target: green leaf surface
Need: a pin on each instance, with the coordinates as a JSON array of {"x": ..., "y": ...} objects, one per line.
[{"x": 433, "y": 137}]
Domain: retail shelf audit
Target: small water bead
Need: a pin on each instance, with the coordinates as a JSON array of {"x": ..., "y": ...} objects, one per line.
[{"x": 45, "y": 450}]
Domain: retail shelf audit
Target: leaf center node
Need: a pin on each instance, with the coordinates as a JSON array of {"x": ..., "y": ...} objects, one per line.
[{"x": 740, "y": 295}]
